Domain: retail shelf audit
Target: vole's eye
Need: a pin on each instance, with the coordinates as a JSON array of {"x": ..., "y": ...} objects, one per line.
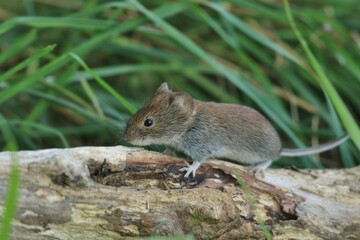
[{"x": 148, "y": 122}]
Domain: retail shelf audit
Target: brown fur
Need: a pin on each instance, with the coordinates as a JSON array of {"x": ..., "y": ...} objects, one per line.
[{"x": 204, "y": 130}]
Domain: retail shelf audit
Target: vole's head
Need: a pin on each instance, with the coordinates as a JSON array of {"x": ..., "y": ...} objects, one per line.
[{"x": 162, "y": 120}]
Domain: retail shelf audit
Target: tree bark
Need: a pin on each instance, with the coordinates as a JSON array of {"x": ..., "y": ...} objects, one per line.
[{"x": 128, "y": 193}]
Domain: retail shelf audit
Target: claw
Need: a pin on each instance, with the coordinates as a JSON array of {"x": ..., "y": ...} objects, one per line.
[{"x": 190, "y": 168}]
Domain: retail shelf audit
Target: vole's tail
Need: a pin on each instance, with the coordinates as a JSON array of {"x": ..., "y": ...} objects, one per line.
[{"x": 285, "y": 152}]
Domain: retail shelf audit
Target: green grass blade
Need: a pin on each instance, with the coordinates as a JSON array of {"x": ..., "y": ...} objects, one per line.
[
  {"x": 67, "y": 94},
  {"x": 27, "y": 62},
  {"x": 251, "y": 32},
  {"x": 14, "y": 180},
  {"x": 60, "y": 61},
  {"x": 18, "y": 46},
  {"x": 217, "y": 28},
  {"x": 346, "y": 157},
  {"x": 92, "y": 96},
  {"x": 42, "y": 128},
  {"x": 57, "y": 22},
  {"x": 105, "y": 85},
  {"x": 64, "y": 102},
  {"x": 28, "y": 81},
  {"x": 144, "y": 67},
  {"x": 344, "y": 114},
  {"x": 251, "y": 202}
]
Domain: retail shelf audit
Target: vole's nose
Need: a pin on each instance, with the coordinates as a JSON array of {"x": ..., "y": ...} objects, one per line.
[
  {"x": 126, "y": 136},
  {"x": 129, "y": 135}
]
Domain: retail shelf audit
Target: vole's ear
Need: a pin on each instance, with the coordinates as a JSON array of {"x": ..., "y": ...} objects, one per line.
[
  {"x": 182, "y": 100},
  {"x": 163, "y": 88}
]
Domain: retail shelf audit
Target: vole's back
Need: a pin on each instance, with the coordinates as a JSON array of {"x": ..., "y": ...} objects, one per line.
[{"x": 230, "y": 131}]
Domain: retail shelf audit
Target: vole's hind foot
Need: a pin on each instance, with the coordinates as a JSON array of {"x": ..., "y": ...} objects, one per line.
[
  {"x": 259, "y": 170},
  {"x": 190, "y": 168}
]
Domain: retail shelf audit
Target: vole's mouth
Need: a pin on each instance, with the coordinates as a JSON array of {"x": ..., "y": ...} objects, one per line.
[
  {"x": 127, "y": 138},
  {"x": 136, "y": 138},
  {"x": 138, "y": 141},
  {"x": 133, "y": 139}
]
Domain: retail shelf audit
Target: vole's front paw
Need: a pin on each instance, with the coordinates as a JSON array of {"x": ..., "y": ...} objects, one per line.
[{"x": 190, "y": 168}]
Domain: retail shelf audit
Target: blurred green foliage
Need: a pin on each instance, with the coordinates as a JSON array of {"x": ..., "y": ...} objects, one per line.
[{"x": 72, "y": 72}]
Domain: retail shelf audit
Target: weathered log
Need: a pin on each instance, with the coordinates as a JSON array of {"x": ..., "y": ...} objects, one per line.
[{"x": 125, "y": 193}]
